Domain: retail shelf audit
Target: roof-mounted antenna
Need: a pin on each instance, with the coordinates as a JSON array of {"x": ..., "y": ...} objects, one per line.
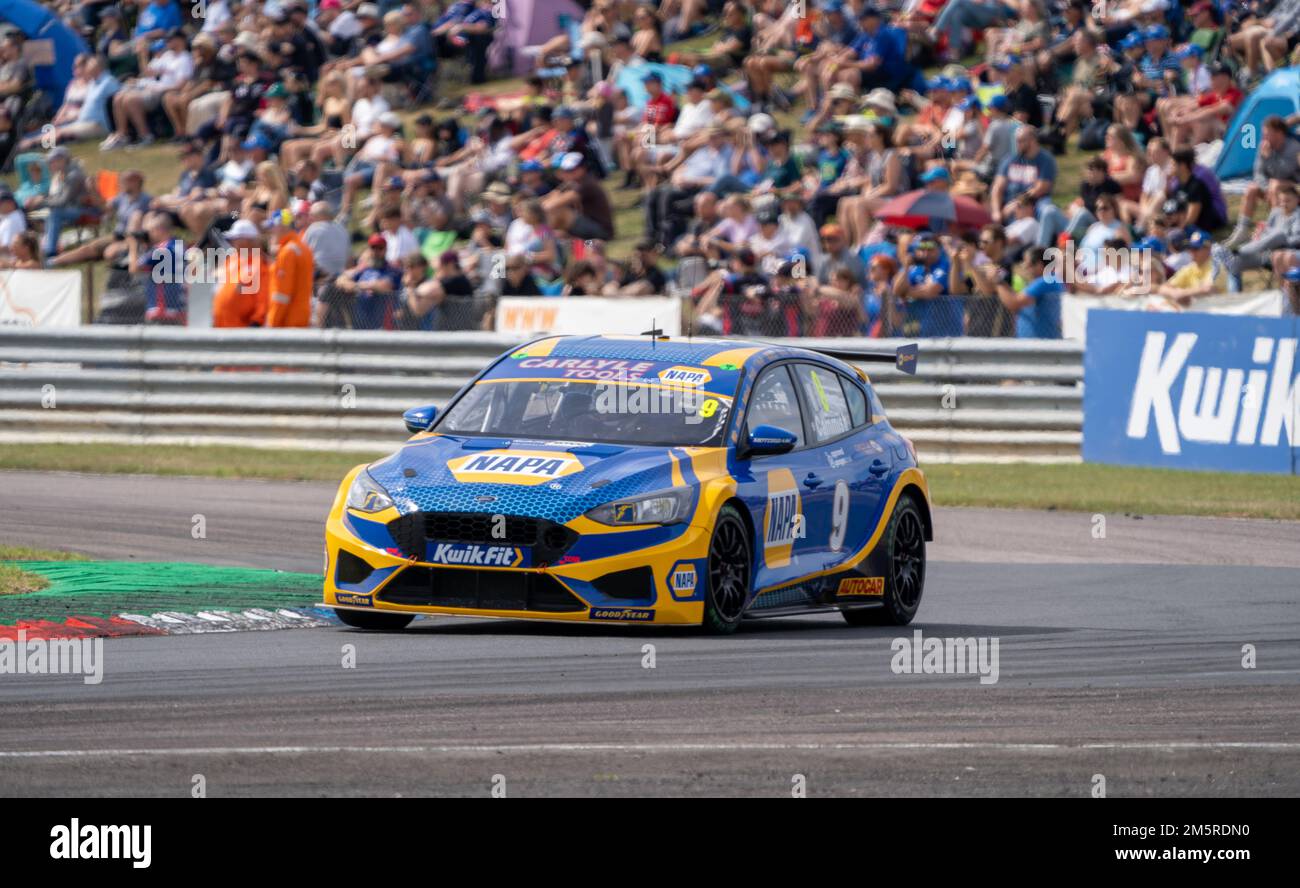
[{"x": 654, "y": 333}]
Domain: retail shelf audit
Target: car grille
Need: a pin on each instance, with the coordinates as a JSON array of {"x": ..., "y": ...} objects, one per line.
[
  {"x": 547, "y": 540},
  {"x": 480, "y": 589}
]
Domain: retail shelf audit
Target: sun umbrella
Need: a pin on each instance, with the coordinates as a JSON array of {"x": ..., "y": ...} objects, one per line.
[{"x": 935, "y": 210}]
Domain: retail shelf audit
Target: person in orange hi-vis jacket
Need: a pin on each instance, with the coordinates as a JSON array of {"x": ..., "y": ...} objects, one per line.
[
  {"x": 241, "y": 298},
  {"x": 291, "y": 275}
]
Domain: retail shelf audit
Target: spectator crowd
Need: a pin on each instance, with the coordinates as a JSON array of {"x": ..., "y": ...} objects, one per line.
[{"x": 822, "y": 168}]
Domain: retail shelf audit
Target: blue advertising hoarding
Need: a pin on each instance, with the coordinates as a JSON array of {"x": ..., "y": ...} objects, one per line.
[{"x": 1192, "y": 391}]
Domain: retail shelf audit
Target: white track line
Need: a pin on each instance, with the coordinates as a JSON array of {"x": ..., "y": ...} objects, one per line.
[{"x": 584, "y": 748}]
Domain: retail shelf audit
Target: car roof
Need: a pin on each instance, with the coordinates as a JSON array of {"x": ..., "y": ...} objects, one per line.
[{"x": 706, "y": 351}]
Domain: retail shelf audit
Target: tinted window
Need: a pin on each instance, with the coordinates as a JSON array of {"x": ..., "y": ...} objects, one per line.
[
  {"x": 828, "y": 413},
  {"x": 857, "y": 402},
  {"x": 774, "y": 403}
]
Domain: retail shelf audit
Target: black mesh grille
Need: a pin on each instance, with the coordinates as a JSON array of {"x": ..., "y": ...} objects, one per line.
[
  {"x": 547, "y": 540},
  {"x": 482, "y": 589}
]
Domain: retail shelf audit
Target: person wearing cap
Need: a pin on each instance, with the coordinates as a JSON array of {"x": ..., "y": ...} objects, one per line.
[
  {"x": 293, "y": 274},
  {"x": 1290, "y": 291},
  {"x": 579, "y": 207},
  {"x": 241, "y": 297},
  {"x": 371, "y": 286},
  {"x": 876, "y": 58},
  {"x": 1203, "y": 276},
  {"x": 1157, "y": 75},
  {"x": 930, "y": 284},
  {"x": 68, "y": 198},
  {"x": 166, "y": 72}
]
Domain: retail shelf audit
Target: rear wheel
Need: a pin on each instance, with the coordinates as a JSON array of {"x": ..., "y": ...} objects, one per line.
[
  {"x": 905, "y": 537},
  {"x": 729, "y": 573},
  {"x": 373, "y": 619}
]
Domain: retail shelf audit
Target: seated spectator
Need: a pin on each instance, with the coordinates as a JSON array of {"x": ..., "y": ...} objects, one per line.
[
  {"x": 1278, "y": 161},
  {"x": 127, "y": 209},
  {"x": 1203, "y": 276},
  {"x": 69, "y": 198},
  {"x": 1280, "y": 231},
  {"x": 168, "y": 71}
]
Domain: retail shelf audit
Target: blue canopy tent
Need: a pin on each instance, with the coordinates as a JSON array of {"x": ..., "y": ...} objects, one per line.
[
  {"x": 39, "y": 23},
  {"x": 675, "y": 78},
  {"x": 1278, "y": 94}
]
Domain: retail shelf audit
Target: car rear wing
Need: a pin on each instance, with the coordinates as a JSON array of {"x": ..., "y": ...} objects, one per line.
[{"x": 904, "y": 357}]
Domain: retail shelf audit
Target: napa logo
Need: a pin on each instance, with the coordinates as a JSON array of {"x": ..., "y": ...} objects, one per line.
[
  {"x": 477, "y": 555},
  {"x": 514, "y": 466},
  {"x": 683, "y": 579},
  {"x": 624, "y": 614},
  {"x": 783, "y": 519},
  {"x": 685, "y": 376}
]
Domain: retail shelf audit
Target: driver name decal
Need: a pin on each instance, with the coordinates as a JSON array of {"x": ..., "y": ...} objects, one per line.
[{"x": 589, "y": 368}]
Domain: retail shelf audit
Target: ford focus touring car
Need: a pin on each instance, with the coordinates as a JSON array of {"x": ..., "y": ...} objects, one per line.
[{"x": 645, "y": 480}]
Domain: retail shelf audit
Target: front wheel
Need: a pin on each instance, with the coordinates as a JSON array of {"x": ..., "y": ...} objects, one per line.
[
  {"x": 373, "y": 620},
  {"x": 729, "y": 573},
  {"x": 905, "y": 538}
]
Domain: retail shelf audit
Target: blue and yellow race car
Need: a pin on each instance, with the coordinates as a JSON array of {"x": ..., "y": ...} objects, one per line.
[{"x": 640, "y": 480}]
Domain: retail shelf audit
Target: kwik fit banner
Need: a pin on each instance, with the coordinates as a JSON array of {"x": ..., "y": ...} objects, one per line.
[{"x": 1192, "y": 391}]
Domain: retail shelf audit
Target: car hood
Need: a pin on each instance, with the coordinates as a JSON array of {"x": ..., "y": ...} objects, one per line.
[{"x": 555, "y": 480}]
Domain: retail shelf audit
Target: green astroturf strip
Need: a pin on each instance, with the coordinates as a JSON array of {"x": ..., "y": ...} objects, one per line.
[{"x": 106, "y": 588}]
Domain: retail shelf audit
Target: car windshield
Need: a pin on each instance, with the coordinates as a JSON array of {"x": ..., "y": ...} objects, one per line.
[{"x": 604, "y": 412}]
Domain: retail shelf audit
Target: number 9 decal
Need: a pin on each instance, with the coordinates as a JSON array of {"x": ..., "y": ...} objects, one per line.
[
  {"x": 839, "y": 515},
  {"x": 708, "y": 408}
]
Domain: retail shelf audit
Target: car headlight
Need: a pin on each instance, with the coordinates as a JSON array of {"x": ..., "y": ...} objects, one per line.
[
  {"x": 366, "y": 495},
  {"x": 665, "y": 507}
]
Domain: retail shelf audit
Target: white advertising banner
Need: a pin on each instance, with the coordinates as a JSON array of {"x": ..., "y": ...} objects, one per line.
[
  {"x": 1074, "y": 309},
  {"x": 529, "y": 315},
  {"x": 31, "y": 298}
]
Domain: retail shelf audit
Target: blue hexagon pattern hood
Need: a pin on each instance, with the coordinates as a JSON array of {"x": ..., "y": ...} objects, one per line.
[{"x": 555, "y": 480}]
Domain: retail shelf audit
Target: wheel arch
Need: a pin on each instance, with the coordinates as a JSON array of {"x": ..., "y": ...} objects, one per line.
[{"x": 922, "y": 503}]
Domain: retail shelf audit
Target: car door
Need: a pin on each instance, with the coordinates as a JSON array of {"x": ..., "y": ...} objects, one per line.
[
  {"x": 870, "y": 446},
  {"x": 769, "y": 485},
  {"x": 830, "y": 467}
]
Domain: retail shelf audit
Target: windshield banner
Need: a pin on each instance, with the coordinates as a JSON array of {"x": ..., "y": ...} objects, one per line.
[{"x": 529, "y": 315}]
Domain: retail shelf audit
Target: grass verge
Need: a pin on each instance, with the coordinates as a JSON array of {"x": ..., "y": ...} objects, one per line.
[
  {"x": 213, "y": 462},
  {"x": 1098, "y": 488},
  {"x": 19, "y": 582},
  {"x": 1076, "y": 488}
]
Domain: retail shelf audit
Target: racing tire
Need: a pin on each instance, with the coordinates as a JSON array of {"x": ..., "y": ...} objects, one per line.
[
  {"x": 730, "y": 572},
  {"x": 905, "y": 580},
  {"x": 379, "y": 622}
]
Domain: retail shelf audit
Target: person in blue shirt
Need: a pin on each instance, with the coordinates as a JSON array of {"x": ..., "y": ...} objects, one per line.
[
  {"x": 467, "y": 28},
  {"x": 929, "y": 286},
  {"x": 1037, "y": 306},
  {"x": 373, "y": 284},
  {"x": 880, "y": 52},
  {"x": 157, "y": 19}
]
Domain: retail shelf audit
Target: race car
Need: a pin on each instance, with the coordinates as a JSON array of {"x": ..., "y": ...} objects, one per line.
[{"x": 640, "y": 480}]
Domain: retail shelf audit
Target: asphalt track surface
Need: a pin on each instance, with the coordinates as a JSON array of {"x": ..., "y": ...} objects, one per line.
[{"x": 1119, "y": 657}]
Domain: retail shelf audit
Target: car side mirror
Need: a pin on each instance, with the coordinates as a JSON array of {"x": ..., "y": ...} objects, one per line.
[
  {"x": 418, "y": 419},
  {"x": 766, "y": 440}
]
